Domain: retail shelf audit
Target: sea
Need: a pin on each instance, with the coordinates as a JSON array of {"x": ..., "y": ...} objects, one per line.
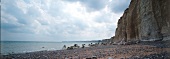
[{"x": 11, "y": 47}]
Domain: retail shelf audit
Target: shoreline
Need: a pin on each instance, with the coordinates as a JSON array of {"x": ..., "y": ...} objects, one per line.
[
  {"x": 141, "y": 50},
  {"x": 24, "y": 47}
]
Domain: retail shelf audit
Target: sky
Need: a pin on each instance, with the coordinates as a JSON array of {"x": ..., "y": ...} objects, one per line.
[{"x": 60, "y": 20}]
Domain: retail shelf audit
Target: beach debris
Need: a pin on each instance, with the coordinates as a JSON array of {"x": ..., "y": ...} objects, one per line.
[
  {"x": 91, "y": 45},
  {"x": 73, "y": 47},
  {"x": 69, "y": 48},
  {"x": 88, "y": 58},
  {"x": 110, "y": 58},
  {"x": 64, "y": 47},
  {"x": 66, "y": 58},
  {"x": 83, "y": 45},
  {"x": 94, "y": 57}
]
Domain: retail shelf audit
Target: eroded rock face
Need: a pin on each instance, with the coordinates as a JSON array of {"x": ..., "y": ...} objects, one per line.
[{"x": 144, "y": 20}]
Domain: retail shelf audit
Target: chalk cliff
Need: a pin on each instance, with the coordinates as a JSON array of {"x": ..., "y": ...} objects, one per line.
[{"x": 144, "y": 20}]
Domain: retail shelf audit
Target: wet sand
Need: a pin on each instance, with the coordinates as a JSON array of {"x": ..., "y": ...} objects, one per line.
[{"x": 143, "y": 50}]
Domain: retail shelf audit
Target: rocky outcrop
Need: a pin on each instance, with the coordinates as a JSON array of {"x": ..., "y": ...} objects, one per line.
[{"x": 144, "y": 20}]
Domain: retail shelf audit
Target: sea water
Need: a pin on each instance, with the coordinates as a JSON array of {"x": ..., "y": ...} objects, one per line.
[{"x": 8, "y": 47}]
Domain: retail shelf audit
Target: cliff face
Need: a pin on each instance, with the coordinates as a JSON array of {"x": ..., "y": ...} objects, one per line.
[{"x": 144, "y": 20}]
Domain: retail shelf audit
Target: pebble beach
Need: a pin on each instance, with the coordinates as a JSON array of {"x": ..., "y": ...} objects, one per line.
[{"x": 147, "y": 50}]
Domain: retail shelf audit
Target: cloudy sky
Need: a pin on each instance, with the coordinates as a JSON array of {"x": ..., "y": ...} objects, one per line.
[{"x": 60, "y": 20}]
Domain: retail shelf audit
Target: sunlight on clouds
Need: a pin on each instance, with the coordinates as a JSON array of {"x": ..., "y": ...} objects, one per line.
[{"x": 58, "y": 20}]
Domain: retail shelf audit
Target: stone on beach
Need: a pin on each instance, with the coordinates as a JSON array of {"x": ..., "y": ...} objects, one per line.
[
  {"x": 110, "y": 58},
  {"x": 100, "y": 52}
]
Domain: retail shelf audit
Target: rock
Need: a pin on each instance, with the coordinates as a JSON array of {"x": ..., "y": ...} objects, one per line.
[
  {"x": 69, "y": 48},
  {"x": 110, "y": 58},
  {"x": 91, "y": 45},
  {"x": 83, "y": 45},
  {"x": 144, "y": 20},
  {"x": 73, "y": 47},
  {"x": 64, "y": 47},
  {"x": 66, "y": 58},
  {"x": 94, "y": 57}
]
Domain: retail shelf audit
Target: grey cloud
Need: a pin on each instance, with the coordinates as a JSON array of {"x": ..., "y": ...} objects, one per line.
[
  {"x": 12, "y": 9},
  {"x": 71, "y": 27},
  {"x": 9, "y": 26},
  {"x": 61, "y": 26},
  {"x": 55, "y": 9},
  {"x": 104, "y": 18},
  {"x": 27, "y": 1},
  {"x": 24, "y": 23},
  {"x": 116, "y": 6},
  {"x": 8, "y": 36},
  {"x": 119, "y": 6},
  {"x": 92, "y": 5},
  {"x": 15, "y": 28},
  {"x": 80, "y": 24},
  {"x": 16, "y": 21},
  {"x": 32, "y": 12}
]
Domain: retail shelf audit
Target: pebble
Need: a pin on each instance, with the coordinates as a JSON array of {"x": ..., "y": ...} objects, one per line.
[
  {"x": 110, "y": 58},
  {"x": 106, "y": 52}
]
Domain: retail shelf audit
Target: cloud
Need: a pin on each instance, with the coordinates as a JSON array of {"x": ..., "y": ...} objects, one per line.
[
  {"x": 118, "y": 6},
  {"x": 89, "y": 4},
  {"x": 57, "y": 20}
]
